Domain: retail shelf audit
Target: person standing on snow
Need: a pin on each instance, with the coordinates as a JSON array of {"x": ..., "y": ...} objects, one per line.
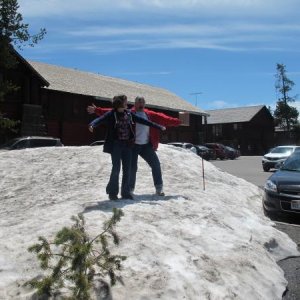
[
  {"x": 119, "y": 143},
  {"x": 146, "y": 141}
]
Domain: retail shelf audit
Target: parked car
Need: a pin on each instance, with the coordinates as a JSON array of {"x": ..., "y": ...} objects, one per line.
[
  {"x": 282, "y": 189},
  {"x": 185, "y": 146},
  {"x": 205, "y": 152},
  {"x": 218, "y": 148},
  {"x": 31, "y": 142},
  {"x": 277, "y": 156},
  {"x": 97, "y": 143},
  {"x": 232, "y": 153}
]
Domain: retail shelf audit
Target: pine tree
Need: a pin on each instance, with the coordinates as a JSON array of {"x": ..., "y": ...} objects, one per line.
[
  {"x": 13, "y": 32},
  {"x": 285, "y": 115},
  {"x": 74, "y": 259}
]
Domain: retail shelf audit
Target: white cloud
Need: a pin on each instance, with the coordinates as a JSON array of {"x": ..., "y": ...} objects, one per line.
[
  {"x": 229, "y": 37},
  {"x": 229, "y": 42},
  {"x": 293, "y": 73},
  {"x": 219, "y": 104},
  {"x": 104, "y": 26},
  {"x": 168, "y": 29},
  {"x": 297, "y": 105},
  {"x": 194, "y": 29},
  {"x": 233, "y": 44},
  {"x": 77, "y": 8},
  {"x": 150, "y": 44}
]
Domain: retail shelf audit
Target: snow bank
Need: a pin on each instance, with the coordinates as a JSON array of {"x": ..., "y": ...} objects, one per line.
[{"x": 194, "y": 244}]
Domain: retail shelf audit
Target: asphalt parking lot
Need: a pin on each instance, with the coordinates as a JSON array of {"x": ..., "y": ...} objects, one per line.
[
  {"x": 250, "y": 169},
  {"x": 247, "y": 167}
]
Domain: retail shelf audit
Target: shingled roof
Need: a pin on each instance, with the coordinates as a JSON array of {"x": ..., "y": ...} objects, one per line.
[
  {"x": 233, "y": 115},
  {"x": 104, "y": 87}
]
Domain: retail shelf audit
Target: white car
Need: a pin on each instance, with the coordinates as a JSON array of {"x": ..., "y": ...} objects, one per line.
[
  {"x": 277, "y": 155},
  {"x": 185, "y": 146}
]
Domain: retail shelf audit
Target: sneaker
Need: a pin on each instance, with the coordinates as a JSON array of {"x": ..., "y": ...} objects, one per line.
[
  {"x": 160, "y": 193},
  {"x": 113, "y": 197},
  {"x": 129, "y": 197}
]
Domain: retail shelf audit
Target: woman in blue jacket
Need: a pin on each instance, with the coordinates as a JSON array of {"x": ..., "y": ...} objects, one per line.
[{"x": 119, "y": 142}]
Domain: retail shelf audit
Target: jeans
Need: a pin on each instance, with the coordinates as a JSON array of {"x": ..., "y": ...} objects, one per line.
[
  {"x": 149, "y": 155},
  {"x": 121, "y": 152}
]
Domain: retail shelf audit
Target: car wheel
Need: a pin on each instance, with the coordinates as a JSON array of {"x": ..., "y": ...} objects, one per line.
[
  {"x": 266, "y": 169},
  {"x": 271, "y": 215}
]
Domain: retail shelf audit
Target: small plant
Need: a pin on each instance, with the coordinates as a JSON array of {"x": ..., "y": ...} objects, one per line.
[{"x": 74, "y": 260}]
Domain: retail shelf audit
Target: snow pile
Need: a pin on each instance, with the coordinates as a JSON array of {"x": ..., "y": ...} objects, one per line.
[{"x": 193, "y": 244}]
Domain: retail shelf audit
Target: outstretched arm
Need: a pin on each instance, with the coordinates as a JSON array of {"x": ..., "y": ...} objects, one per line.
[
  {"x": 93, "y": 109},
  {"x": 98, "y": 121},
  {"x": 164, "y": 119},
  {"x": 147, "y": 122}
]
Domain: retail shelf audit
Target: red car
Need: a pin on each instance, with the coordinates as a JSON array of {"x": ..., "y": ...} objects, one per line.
[{"x": 219, "y": 149}]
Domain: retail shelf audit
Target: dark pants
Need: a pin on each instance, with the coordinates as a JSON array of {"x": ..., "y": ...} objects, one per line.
[
  {"x": 149, "y": 155},
  {"x": 121, "y": 153}
]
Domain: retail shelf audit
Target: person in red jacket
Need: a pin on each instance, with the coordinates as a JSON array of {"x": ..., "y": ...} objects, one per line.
[{"x": 146, "y": 140}]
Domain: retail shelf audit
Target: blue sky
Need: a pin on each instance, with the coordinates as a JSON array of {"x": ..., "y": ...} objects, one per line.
[{"x": 225, "y": 49}]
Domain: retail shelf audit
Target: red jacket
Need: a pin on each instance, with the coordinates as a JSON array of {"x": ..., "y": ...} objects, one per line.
[{"x": 153, "y": 116}]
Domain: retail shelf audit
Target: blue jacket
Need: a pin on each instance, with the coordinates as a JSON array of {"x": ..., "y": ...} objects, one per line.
[{"x": 110, "y": 119}]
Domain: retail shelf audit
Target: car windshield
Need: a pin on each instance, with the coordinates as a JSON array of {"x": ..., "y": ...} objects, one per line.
[
  {"x": 9, "y": 144},
  {"x": 292, "y": 163},
  {"x": 282, "y": 150}
]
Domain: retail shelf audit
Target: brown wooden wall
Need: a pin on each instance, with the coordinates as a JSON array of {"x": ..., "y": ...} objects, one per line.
[
  {"x": 67, "y": 119},
  {"x": 29, "y": 92}
]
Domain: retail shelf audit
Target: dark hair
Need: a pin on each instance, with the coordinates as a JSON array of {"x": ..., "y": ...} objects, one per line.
[
  {"x": 118, "y": 101},
  {"x": 139, "y": 98}
]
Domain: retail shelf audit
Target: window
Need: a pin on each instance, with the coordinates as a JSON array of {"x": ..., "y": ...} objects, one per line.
[
  {"x": 237, "y": 126},
  {"x": 217, "y": 130},
  {"x": 189, "y": 146},
  {"x": 42, "y": 143},
  {"x": 20, "y": 145}
]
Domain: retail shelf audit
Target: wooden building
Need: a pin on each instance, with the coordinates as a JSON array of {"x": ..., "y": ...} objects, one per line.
[
  {"x": 58, "y": 98},
  {"x": 23, "y": 104},
  {"x": 250, "y": 129}
]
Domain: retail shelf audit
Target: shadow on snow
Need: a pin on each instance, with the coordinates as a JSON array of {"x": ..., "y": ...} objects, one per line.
[{"x": 108, "y": 205}]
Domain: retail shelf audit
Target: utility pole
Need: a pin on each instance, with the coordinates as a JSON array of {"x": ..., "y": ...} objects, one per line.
[
  {"x": 203, "y": 174},
  {"x": 196, "y": 94}
]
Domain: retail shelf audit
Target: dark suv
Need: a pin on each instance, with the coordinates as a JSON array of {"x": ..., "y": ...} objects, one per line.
[
  {"x": 218, "y": 148},
  {"x": 205, "y": 152},
  {"x": 31, "y": 142},
  {"x": 282, "y": 189}
]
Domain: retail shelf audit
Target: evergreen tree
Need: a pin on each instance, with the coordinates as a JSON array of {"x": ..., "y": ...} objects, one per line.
[
  {"x": 13, "y": 32},
  {"x": 286, "y": 116},
  {"x": 74, "y": 260}
]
